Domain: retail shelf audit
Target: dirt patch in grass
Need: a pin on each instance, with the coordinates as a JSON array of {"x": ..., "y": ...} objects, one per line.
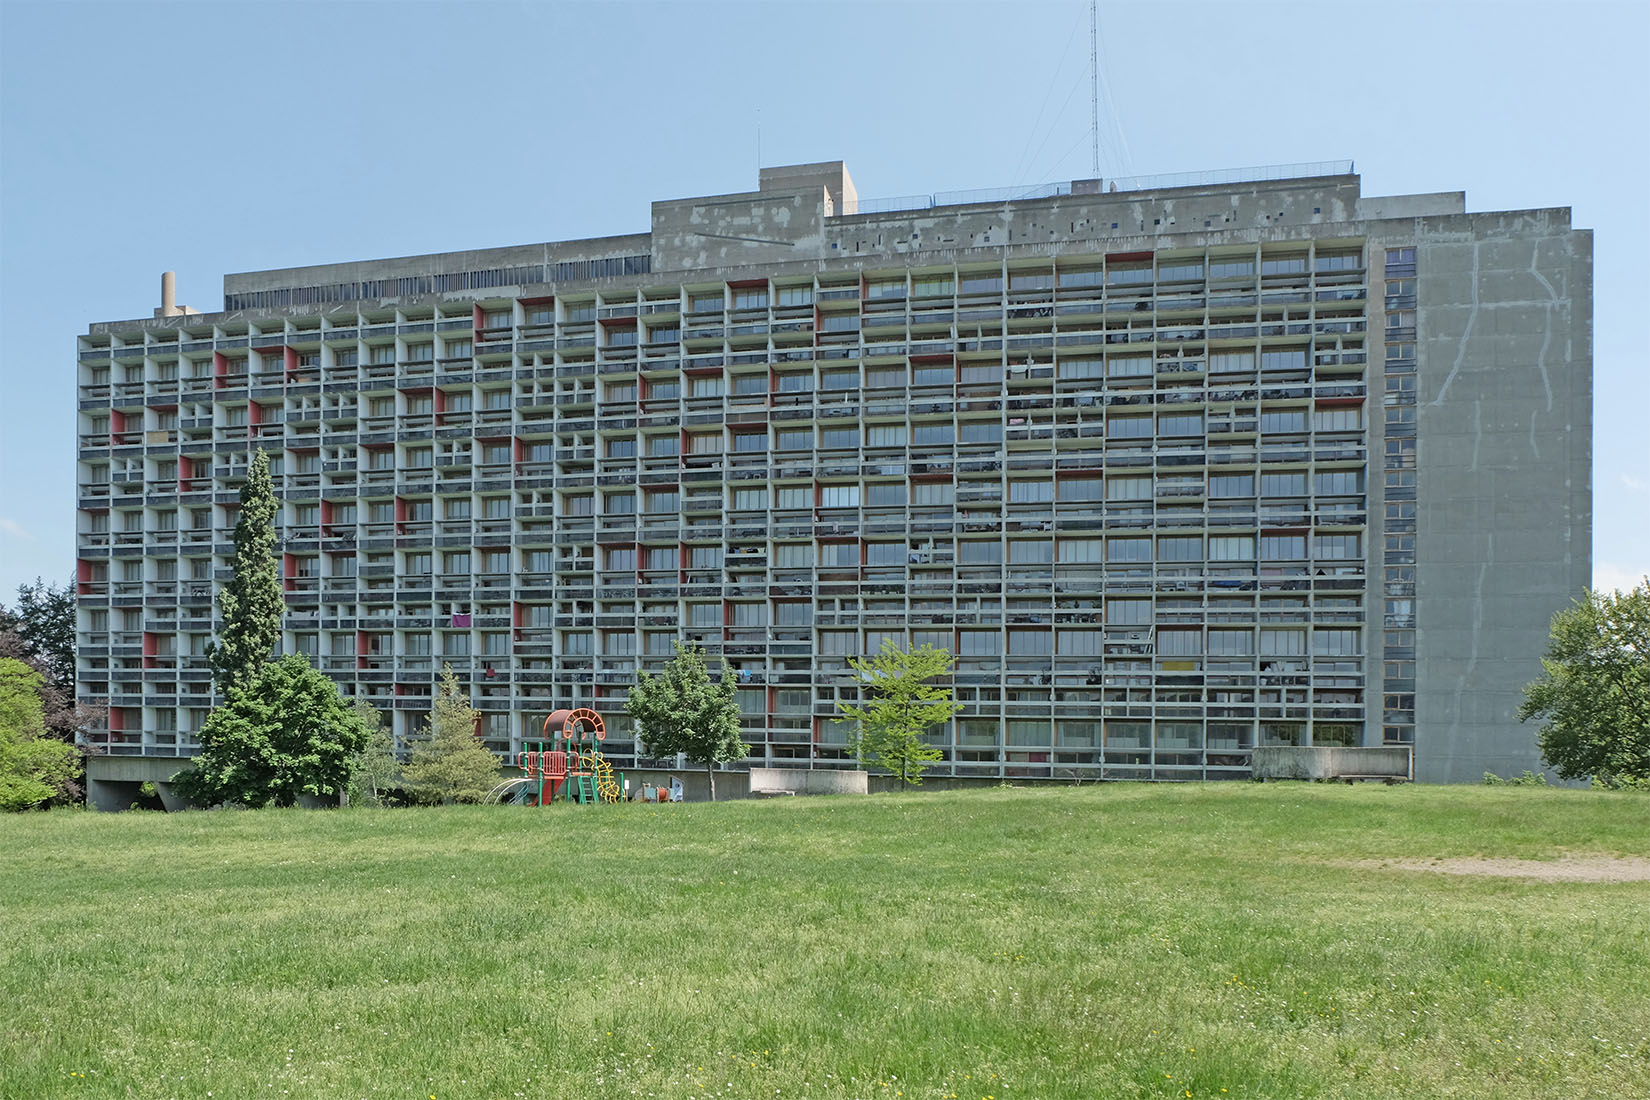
[{"x": 1563, "y": 869}]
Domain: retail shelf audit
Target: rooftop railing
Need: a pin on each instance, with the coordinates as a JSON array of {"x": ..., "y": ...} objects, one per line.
[{"x": 1253, "y": 174}]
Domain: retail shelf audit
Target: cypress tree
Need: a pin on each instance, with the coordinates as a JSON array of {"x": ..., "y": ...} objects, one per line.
[{"x": 250, "y": 605}]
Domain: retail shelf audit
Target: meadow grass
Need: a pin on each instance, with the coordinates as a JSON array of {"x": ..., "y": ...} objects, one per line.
[{"x": 1129, "y": 941}]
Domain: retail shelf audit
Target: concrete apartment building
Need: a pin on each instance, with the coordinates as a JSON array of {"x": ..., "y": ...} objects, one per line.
[{"x": 1176, "y": 467}]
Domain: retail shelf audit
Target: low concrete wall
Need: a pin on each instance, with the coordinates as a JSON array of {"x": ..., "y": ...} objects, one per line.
[
  {"x": 112, "y": 782},
  {"x": 1324, "y": 762},
  {"x": 810, "y": 780}
]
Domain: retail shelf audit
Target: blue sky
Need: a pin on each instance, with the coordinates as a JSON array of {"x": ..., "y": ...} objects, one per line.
[{"x": 234, "y": 136}]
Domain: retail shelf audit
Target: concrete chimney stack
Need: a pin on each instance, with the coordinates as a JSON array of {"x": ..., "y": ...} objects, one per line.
[{"x": 169, "y": 297}]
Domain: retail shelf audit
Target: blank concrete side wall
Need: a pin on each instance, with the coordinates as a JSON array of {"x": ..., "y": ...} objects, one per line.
[{"x": 1504, "y": 475}]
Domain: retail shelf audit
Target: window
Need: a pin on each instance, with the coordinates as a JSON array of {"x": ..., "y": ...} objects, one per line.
[
  {"x": 1129, "y": 551},
  {"x": 1030, "y": 492},
  {"x": 1232, "y": 485},
  {"x": 1231, "y": 362},
  {"x": 706, "y": 386},
  {"x": 1338, "y": 420},
  {"x": 885, "y": 435},
  {"x": 1231, "y": 548},
  {"x": 980, "y": 552},
  {"x": 1070, "y": 490},
  {"x": 306, "y": 515},
  {"x": 663, "y": 500},
  {"x": 980, "y": 643},
  {"x": 1129, "y": 488},
  {"x": 1128, "y": 612},
  {"x": 495, "y": 454},
  {"x": 839, "y": 496},
  {"x": 705, "y": 557},
  {"x": 796, "y": 295},
  {"x": 793, "y": 439},
  {"x": 622, "y": 448},
  {"x": 1283, "y": 360},
  {"x": 750, "y": 500},
  {"x": 750, "y": 383},
  {"x": 749, "y": 442},
  {"x": 1128, "y": 427},
  {"x": 1283, "y": 420},
  {"x": 620, "y": 558},
  {"x": 796, "y": 382},
  {"x": 933, "y": 435},
  {"x": 1291, "y": 484},
  {"x": 704, "y": 614},
  {"x": 455, "y": 645},
  {"x": 885, "y": 553},
  {"x": 419, "y": 564},
  {"x": 1175, "y": 642},
  {"x": 663, "y": 446},
  {"x": 1180, "y": 424},
  {"x": 1336, "y": 643},
  {"x": 619, "y": 504},
  {"x": 577, "y": 644},
  {"x": 1028, "y": 552},
  {"x": 793, "y": 555},
  {"x": 1337, "y": 547},
  {"x": 840, "y": 379},
  {"x": 748, "y": 614},
  {"x": 532, "y": 561},
  {"x": 885, "y": 494},
  {"x": 705, "y": 443},
  {"x": 1030, "y": 643},
  {"x": 577, "y": 504},
  {"x": 980, "y": 431},
  {"x": 1338, "y": 482},
  {"x": 933, "y": 493},
  {"x": 1179, "y": 548},
  {"x": 1283, "y": 643},
  {"x": 495, "y": 399},
  {"x": 1085, "y": 368},
  {"x": 1080, "y": 551},
  {"x": 420, "y": 511},
  {"x": 664, "y": 390},
  {"x": 456, "y": 508},
  {"x": 619, "y": 391},
  {"x": 1282, "y": 547},
  {"x": 839, "y": 554},
  {"x": 661, "y": 557},
  {"x": 839, "y": 438},
  {"x": 793, "y": 496},
  {"x": 420, "y": 458}
]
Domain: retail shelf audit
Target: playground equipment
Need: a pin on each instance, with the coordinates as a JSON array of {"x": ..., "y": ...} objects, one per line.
[{"x": 575, "y": 767}]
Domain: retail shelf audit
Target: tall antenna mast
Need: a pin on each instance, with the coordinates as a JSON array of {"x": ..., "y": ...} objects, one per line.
[{"x": 1094, "y": 84}]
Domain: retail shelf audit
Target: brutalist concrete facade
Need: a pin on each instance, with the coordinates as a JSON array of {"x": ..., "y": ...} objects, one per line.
[{"x": 1177, "y": 467}]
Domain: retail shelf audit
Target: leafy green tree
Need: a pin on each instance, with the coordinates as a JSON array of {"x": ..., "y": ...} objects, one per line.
[
  {"x": 892, "y": 730},
  {"x": 44, "y": 619},
  {"x": 288, "y": 733},
  {"x": 1594, "y": 691},
  {"x": 374, "y": 769},
  {"x": 250, "y": 605},
  {"x": 40, "y": 632},
  {"x": 34, "y": 769},
  {"x": 448, "y": 763},
  {"x": 682, "y": 710}
]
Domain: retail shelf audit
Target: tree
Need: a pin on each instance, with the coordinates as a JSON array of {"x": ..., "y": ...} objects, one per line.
[
  {"x": 892, "y": 731},
  {"x": 250, "y": 604},
  {"x": 448, "y": 764},
  {"x": 35, "y": 769},
  {"x": 40, "y": 632},
  {"x": 1594, "y": 690},
  {"x": 44, "y": 620},
  {"x": 374, "y": 769},
  {"x": 682, "y": 710},
  {"x": 286, "y": 734}
]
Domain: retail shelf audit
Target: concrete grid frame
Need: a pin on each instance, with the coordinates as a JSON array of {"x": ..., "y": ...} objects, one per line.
[{"x": 1176, "y": 467}]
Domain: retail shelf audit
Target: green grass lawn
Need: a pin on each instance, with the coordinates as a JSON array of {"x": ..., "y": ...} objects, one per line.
[{"x": 1150, "y": 941}]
